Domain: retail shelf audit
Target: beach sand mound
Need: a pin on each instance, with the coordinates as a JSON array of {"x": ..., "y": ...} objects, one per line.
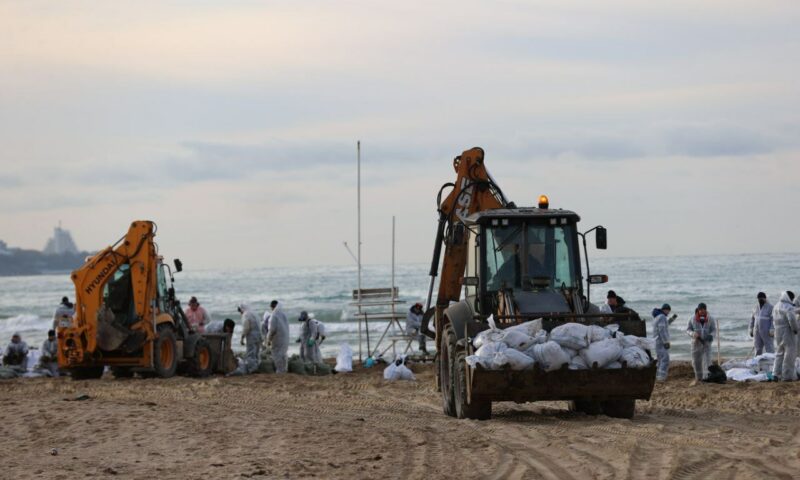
[{"x": 360, "y": 426}]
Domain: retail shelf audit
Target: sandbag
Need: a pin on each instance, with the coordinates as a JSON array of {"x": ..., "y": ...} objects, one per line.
[
  {"x": 485, "y": 362},
  {"x": 296, "y": 365},
  {"x": 344, "y": 361},
  {"x": 397, "y": 371},
  {"x": 490, "y": 348},
  {"x": 634, "y": 341},
  {"x": 549, "y": 356},
  {"x": 614, "y": 365},
  {"x": 267, "y": 365},
  {"x": 318, "y": 369},
  {"x": 514, "y": 359},
  {"x": 635, "y": 357},
  {"x": 530, "y": 328},
  {"x": 602, "y": 353},
  {"x": 518, "y": 340},
  {"x": 577, "y": 363},
  {"x": 597, "y": 333},
  {"x": 486, "y": 336},
  {"x": 570, "y": 352},
  {"x": 571, "y": 335},
  {"x": 7, "y": 373}
]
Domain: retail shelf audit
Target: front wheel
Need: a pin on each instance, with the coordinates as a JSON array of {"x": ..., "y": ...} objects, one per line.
[
  {"x": 200, "y": 365},
  {"x": 477, "y": 409},
  {"x": 165, "y": 358},
  {"x": 447, "y": 349}
]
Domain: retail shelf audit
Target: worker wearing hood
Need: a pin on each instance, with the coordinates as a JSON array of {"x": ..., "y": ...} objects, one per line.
[
  {"x": 251, "y": 336},
  {"x": 278, "y": 337},
  {"x": 309, "y": 339},
  {"x": 762, "y": 328},
  {"x": 786, "y": 328},
  {"x": 702, "y": 329},
  {"x": 661, "y": 332},
  {"x": 16, "y": 353}
]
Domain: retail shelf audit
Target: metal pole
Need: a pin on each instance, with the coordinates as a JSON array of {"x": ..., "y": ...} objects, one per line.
[
  {"x": 358, "y": 203},
  {"x": 394, "y": 308}
]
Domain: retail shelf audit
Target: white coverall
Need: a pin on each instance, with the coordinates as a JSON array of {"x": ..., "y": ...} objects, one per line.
[
  {"x": 701, "y": 347},
  {"x": 786, "y": 330},
  {"x": 251, "y": 334},
  {"x": 49, "y": 358},
  {"x": 762, "y": 328},
  {"x": 278, "y": 338},
  {"x": 309, "y": 341},
  {"x": 661, "y": 333}
]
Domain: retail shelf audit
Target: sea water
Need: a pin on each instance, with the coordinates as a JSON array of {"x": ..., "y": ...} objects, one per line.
[{"x": 728, "y": 284}]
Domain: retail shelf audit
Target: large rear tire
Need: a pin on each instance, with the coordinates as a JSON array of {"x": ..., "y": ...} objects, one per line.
[
  {"x": 86, "y": 373},
  {"x": 478, "y": 409},
  {"x": 165, "y": 357},
  {"x": 201, "y": 364},
  {"x": 447, "y": 349},
  {"x": 624, "y": 408}
]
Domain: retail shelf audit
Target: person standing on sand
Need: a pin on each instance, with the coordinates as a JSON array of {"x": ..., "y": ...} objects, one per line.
[
  {"x": 702, "y": 330},
  {"x": 278, "y": 337},
  {"x": 786, "y": 331},
  {"x": 64, "y": 312},
  {"x": 309, "y": 339},
  {"x": 251, "y": 336},
  {"x": 197, "y": 316},
  {"x": 414, "y": 324},
  {"x": 661, "y": 332},
  {"x": 762, "y": 328}
]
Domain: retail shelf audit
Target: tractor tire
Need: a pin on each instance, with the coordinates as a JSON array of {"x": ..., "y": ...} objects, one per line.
[
  {"x": 200, "y": 365},
  {"x": 478, "y": 409},
  {"x": 165, "y": 352},
  {"x": 121, "y": 372},
  {"x": 447, "y": 347},
  {"x": 624, "y": 408},
  {"x": 86, "y": 373},
  {"x": 589, "y": 407}
]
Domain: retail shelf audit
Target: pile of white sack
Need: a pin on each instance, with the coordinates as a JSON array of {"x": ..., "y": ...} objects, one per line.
[
  {"x": 756, "y": 369},
  {"x": 579, "y": 346}
]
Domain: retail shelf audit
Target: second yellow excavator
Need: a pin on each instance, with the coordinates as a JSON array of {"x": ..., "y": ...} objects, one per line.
[{"x": 128, "y": 318}]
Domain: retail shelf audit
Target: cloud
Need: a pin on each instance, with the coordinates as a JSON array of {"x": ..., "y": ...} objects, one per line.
[
  {"x": 9, "y": 181},
  {"x": 718, "y": 141}
]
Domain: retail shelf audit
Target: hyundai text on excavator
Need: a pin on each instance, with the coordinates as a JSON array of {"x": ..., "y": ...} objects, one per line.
[
  {"x": 483, "y": 234},
  {"x": 127, "y": 316}
]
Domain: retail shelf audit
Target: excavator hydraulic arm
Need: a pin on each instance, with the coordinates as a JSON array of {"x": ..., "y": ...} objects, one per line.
[
  {"x": 473, "y": 191},
  {"x": 137, "y": 250}
]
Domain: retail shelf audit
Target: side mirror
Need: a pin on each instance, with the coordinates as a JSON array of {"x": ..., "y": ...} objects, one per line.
[
  {"x": 601, "y": 238},
  {"x": 598, "y": 279},
  {"x": 470, "y": 281},
  {"x": 179, "y": 265}
]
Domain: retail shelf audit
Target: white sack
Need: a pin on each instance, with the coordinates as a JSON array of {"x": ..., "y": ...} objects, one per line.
[
  {"x": 488, "y": 349},
  {"x": 518, "y": 340},
  {"x": 531, "y": 328},
  {"x": 602, "y": 352},
  {"x": 597, "y": 333},
  {"x": 635, "y": 357},
  {"x": 398, "y": 372},
  {"x": 344, "y": 361},
  {"x": 614, "y": 365},
  {"x": 571, "y": 335},
  {"x": 514, "y": 359},
  {"x": 550, "y": 356},
  {"x": 578, "y": 363}
]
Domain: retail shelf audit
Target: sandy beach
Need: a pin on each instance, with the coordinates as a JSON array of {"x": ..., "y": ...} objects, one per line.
[{"x": 359, "y": 426}]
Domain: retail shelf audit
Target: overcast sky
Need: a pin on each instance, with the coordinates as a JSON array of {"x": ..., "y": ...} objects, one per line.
[{"x": 233, "y": 125}]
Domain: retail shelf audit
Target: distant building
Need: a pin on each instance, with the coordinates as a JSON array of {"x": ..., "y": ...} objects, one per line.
[
  {"x": 61, "y": 243},
  {"x": 4, "y": 248}
]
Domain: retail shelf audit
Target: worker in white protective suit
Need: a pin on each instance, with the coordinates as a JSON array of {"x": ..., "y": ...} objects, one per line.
[
  {"x": 16, "y": 353},
  {"x": 414, "y": 326},
  {"x": 251, "y": 336},
  {"x": 702, "y": 329},
  {"x": 309, "y": 339},
  {"x": 64, "y": 314},
  {"x": 49, "y": 357},
  {"x": 762, "y": 328},
  {"x": 661, "y": 333},
  {"x": 278, "y": 337},
  {"x": 786, "y": 328}
]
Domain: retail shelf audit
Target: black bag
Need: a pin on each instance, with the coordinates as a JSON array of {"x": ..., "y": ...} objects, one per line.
[{"x": 716, "y": 375}]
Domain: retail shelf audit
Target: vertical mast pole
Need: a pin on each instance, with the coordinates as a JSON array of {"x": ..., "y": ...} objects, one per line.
[{"x": 358, "y": 202}]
